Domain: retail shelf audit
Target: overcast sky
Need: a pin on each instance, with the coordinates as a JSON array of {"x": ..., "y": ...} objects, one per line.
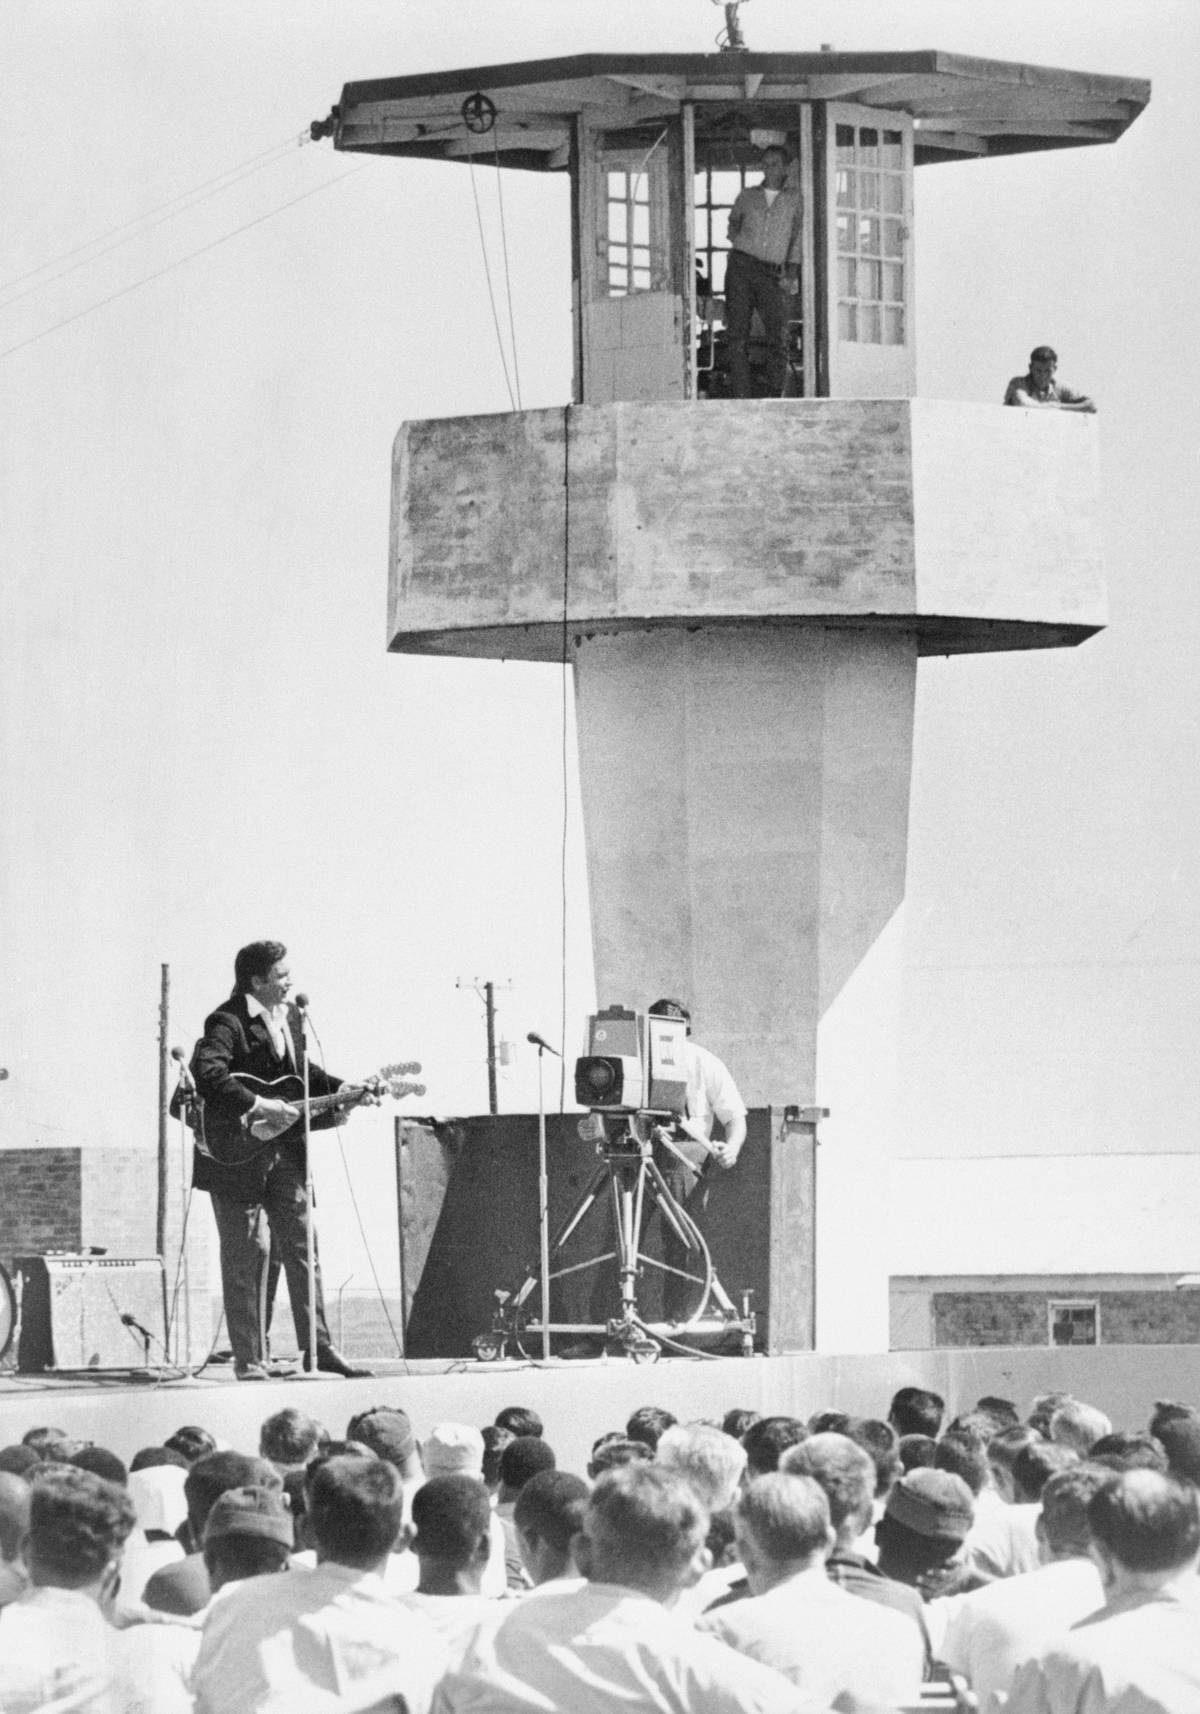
[{"x": 204, "y": 740}]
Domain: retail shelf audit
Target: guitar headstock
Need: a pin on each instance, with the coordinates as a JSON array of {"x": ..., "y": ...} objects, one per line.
[
  {"x": 398, "y": 1088},
  {"x": 401, "y": 1068}
]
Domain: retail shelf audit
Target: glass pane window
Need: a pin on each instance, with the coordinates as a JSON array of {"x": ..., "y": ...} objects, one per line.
[
  {"x": 1074, "y": 1322},
  {"x": 637, "y": 256},
  {"x": 870, "y": 193}
]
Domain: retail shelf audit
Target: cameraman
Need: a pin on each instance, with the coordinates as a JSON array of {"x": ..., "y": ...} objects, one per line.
[{"x": 711, "y": 1094}]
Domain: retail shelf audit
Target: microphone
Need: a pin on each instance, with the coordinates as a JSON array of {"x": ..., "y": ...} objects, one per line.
[
  {"x": 539, "y": 1041},
  {"x": 185, "y": 1076},
  {"x": 135, "y": 1324},
  {"x": 300, "y": 1001}
]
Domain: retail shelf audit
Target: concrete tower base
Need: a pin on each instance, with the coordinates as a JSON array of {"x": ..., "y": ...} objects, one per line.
[{"x": 745, "y": 798}]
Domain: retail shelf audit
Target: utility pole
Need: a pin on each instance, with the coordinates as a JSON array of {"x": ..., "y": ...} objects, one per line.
[
  {"x": 487, "y": 991},
  {"x": 160, "y": 1223}
]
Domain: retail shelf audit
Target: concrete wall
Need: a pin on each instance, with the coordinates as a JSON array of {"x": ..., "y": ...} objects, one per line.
[{"x": 971, "y": 519}]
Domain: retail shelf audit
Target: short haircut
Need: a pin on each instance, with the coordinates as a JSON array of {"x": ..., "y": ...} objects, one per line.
[
  {"x": 1043, "y": 354},
  {"x": 1034, "y": 1466},
  {"x": 707, "y": 1458},
  {"x": 255, "y": 960},
  {"x": 193, "y": 1442},
  {"x": 916, "y": 1451},
  {"x": 495, "y": 1439},
  {"x": 289, "y": 1437},
  {"x": 520, "y": 1420},
  {"x": 355, "y": 1509},
  {"x": 648, "y": 1423},
  {"x": 787, "y": 1516},
  {"x": 1167, "y": 1410},
  {"x": 768, "y": 1440},
  {"x": 1146, "y": 1521},
  {"x": 962, "y": 1455},
  {"x": 1005, "y": 1447},
  {"x": 974, "y": 1425},
  {"x": 101, "y": 1462},
  {"x": 1003, "y": 1412},
  {"x": 1043, "y": 1408},
  {"x": 78, "y": 1524},
  {"x": 42, "y": 1438},
  {"x": 214, "y": 1475},
  {"x": 843, "y": 1470},
  {"x": 644, "y": 1525},
  {"x": 524, "y": 1457},
  {"x": 1078, "y": 1426},
  {"x": 1065, "y": 1501},
  {"x": 14, "y": 1513},
  {"x": 1122, "y": 1451},
  {"x": 829, "y": 1422},
  {"x": 738, "y": 1420},
  {"x": 158, "y": 1458},
  {"x": 915, "y": 1410},
  {"x": 19, "y": 1460},
  {"x": 1180, "y": 1439},
  {"x": 880, "y": 1441},
  {"x": 452, "y": 1515},
  {"x": 611, "y": 1454},
  {"x": 551, "y": 1506}
]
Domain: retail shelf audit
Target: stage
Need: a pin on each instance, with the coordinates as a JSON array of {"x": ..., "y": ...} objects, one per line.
[{"x": 580, "y": 1400}]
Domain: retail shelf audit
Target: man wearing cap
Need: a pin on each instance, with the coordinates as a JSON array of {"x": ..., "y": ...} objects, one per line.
[
  {"x": 1038, "y": 390},
  {"x": 331, "y": 1637},
  {"x": 925, "y": 1523},
  {"x": 711, "y": 1095}
]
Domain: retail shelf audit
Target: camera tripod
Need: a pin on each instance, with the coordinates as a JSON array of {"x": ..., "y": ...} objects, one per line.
[{"x": 636, "y": 1189}]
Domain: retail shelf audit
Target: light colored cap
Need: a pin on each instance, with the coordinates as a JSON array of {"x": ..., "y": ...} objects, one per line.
[{"x": 453, "y": 1448}]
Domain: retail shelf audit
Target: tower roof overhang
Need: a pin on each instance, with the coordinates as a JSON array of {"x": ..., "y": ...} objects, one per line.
[{"x": 962, "y": 107}]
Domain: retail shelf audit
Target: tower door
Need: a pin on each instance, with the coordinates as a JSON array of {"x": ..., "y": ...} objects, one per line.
[
  {"x": 866, "y": 280},
  {"x": 631, "y": 305}
]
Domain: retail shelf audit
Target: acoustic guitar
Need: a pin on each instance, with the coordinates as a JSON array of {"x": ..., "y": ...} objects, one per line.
[{"x": 233, "y": 1139}]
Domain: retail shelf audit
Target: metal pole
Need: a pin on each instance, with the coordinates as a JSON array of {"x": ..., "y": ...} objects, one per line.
[
  {"x": 543, "y": 1213},
  {"x": 160, "y": 1213},
  {"x": 399, "y": 1140},
  {"x": 310, "y": 1243},
  {"x": 489, "y": 1000}
]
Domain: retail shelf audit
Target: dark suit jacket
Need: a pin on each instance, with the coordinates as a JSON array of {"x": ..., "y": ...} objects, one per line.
[{"x": 232, "y": 1042}]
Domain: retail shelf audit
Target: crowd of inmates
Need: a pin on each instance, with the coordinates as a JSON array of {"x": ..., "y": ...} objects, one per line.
[{"x": 1040, "y": 1564}]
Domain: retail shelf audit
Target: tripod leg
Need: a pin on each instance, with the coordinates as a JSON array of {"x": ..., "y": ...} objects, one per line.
[{"x": 570, "y": 1224}]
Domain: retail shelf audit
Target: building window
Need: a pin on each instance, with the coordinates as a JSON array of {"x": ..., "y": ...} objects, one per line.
[
  {"x": 636, "y": 247},
  {"x": 717, "y": 189},
  {"x": 1074, "y": 1321},
  {"x": 870, "y": 235}
]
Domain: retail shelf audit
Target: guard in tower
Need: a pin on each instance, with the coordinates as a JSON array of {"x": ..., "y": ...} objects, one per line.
[{"x": 763, "y": 272}]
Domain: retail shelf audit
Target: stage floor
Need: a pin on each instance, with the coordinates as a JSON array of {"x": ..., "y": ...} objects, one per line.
[{"x": 578, "y": 1401}]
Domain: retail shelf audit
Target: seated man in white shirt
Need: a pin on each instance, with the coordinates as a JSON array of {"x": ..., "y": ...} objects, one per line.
[
  {"x": 612, "y": 1643},
  {"x": 326, "y": 1638},
  {"x": 989, "y": 1632},
  {"x": 452, "y": 1517},
  {"x": 713, "y": 1463},
  {"x": 1141, "y": 1650},
  {"x": 56, "y": 1642},
  {"x": 834, "y": 1647}
]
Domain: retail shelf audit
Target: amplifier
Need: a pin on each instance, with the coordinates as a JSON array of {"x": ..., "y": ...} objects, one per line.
[{"x": 71, "y": 1308}]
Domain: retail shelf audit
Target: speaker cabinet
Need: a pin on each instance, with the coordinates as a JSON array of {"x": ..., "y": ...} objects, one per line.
[{"x": 71, "y": 1308}]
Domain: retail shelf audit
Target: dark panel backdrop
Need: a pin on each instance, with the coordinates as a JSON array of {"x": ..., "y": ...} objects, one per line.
[{"x": 469, "y": 1200}]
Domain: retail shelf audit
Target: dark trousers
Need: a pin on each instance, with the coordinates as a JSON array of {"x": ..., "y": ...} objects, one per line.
[
  {"x": 246, "y": 1230},
  {"x": 690, "y": 1190},
  {"x": 752, "y": 285}
]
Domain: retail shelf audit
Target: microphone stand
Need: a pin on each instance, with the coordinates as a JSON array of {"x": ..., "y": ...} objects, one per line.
[
  {"x": 310, "y": 1240},
  {"x": 543, "y": 1200}
]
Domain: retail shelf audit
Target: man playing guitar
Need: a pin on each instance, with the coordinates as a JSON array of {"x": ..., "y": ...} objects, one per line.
[{"x": 258, "y": 1189}]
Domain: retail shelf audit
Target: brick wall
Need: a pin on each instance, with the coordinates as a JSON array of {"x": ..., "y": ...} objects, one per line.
[
  {"x": 1020, "y": 1317},
  {"x": 66, "y": 1198}
]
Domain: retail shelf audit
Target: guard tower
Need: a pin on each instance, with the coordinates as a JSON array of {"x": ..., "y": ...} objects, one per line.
[{"x": 744, "y": 586}]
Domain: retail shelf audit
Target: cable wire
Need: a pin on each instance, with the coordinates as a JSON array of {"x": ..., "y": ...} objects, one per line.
[
  {"x": 180, "y": 196},
  {"x": 566, "y": 665},
  {"x": 185, "y": 207},
  {"x": 79, "y": 315},
  {"x": 512, "y": 326},
  {"x": 487, "y": 274}
]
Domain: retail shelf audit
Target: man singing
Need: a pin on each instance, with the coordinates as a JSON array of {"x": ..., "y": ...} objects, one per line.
[{"x": 259, "y": 1194}]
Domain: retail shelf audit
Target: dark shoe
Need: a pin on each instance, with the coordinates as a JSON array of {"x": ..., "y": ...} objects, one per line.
[
  {"x": 251, "y": 1371},
  {"x": 331, "y": 1362}
]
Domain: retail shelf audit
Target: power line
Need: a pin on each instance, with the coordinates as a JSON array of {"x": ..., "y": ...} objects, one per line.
[
  {"x": 178, "y": 263},
  {"x": 66, "y": 255},
  {"x": 235, "y": 176}
]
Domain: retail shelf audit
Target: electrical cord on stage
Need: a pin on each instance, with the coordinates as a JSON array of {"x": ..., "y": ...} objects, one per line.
[{"x": 396, "y": 1340}]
